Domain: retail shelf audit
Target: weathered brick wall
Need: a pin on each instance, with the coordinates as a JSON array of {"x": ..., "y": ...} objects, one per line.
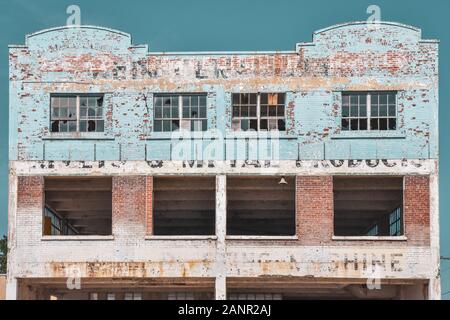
[
  {"x": 96, "y": 60},
  {"x": 417, "y": 209},
  {"x": 314, "y": 203},
  {"x": 30, "y": 204},
  {"x": 350, "y": 57},
  {"x": 129, "y": 215},
  {"x": 149, "y": 204},
  {"x": 128, "y": 253}
]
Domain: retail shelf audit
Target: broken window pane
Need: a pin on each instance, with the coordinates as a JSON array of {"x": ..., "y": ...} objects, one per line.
[
  {"x": 55, "y": 126},
  {"x": 271, "y": 111},
  {"x": 64, "y": 117},
  {"x": 193, "y": 107}
]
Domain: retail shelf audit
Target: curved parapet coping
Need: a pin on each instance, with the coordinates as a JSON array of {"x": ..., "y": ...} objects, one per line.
[
  {"x": 40, "y": 32},
  {"x": 124, "y": 40},
  {"x": 83, "y": 35},
  {"x": 414, "y": 32},
  {"x": 354, "y": 23}
]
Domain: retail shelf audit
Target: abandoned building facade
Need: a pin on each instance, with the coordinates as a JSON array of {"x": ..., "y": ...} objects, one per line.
[{"x": 310, "y": 173}]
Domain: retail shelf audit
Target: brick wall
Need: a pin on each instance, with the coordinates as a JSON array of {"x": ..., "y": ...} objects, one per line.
[
  {"x": 314, "y": 209},
  {"x": 129, "y": 207},
  {"x": 417, "y": 209},
  {"x": 133, "y": 208},
  {"x": 30, "y": 203},
  {"x": 149, "y": 204}
]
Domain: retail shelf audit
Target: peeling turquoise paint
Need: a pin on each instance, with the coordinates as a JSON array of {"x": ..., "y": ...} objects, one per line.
[{"x": 355, "y": 56}]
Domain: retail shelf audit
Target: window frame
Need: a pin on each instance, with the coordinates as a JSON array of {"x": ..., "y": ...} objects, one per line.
[
  {"x": 63, "y": 228},
  {"x": 78, "y": 119},
  {"x": 180, "y": 108},
  {"x": 369, "y": 117},
  {"x": 258, "y": 116},
  {"x": 397, "y": 222}
]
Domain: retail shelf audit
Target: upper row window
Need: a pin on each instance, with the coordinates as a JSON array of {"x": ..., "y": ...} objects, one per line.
[
  {"x": 77, "y": 113},
  {"x": 361, "y": 111},
  {"x": 258, "y": 111},
  {"x": 369, "y": 111},
  {"x": 172, "y": 112}
]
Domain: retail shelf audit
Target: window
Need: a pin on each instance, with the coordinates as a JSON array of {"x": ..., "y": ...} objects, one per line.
[
  {"x": 255, "y": 296},
  {"x": 395, "y": 222},
  {"x": 258, "y": 111},
  {"x": 133, "y": 296},
  {"x": 373, "y": 231},
  {"x": 369, "y": 111},
  {"x": 368, "y": 206},
  {"x": 180, "y": 296},
  {"x": 55, "y": 225},
  {"x": 172, "y": 112},
  {"x": 93, "y": 296},
  {"x": 110, "y": 296},
  {"x": 77, "y": 113}
]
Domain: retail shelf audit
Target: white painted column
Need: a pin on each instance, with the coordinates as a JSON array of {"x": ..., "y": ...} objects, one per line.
[
  {"x": 11, "y": 289},
  {"x": 434, "y": 286},
  {"x": 221, "y": 230},
  {"x": 11, "y": 281}
]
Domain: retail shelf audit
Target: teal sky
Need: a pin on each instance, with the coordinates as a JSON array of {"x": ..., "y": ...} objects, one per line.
[{"x": 204, "y": 25}]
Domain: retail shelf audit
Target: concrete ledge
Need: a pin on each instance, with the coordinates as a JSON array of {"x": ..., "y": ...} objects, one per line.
[
  {"x": 261, "y": 238},
  {"x": 180, "y": 238},
  {"x": 77, "y": 238},
  {"x": 369, "y": 135},
  {"x": 370, "y": 238},
  {"x": 78, "y": 137}
]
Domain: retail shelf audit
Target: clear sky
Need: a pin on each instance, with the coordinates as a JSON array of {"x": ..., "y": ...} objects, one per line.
[{"x": 200, "y": 25}]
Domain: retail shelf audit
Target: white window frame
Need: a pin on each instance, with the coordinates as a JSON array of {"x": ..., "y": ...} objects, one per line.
[
  {"x": 133, "y": 296},
  {"x": 369, "y": 116},
  {"x": 181, "y": 120},
  {"x": 255, "y": 296},
  {"x": 180, "y": 296},
  {"x": 258, "y": 116},
  {"x": 78, "y": 119}
]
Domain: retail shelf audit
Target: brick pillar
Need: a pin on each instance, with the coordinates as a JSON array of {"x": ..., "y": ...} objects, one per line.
[
  {"x": 416, "y": 210},
  {"x": 149, "y": 205},
  {"x": 30, "y": 206},
  {"x": 30, "y": 192},
  {"x": 129, "y": 206},
  {"x": 314, "y": 209}
]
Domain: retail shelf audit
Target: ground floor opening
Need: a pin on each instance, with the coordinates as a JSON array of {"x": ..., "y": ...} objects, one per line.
[{"x": 204, "y": 289}]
